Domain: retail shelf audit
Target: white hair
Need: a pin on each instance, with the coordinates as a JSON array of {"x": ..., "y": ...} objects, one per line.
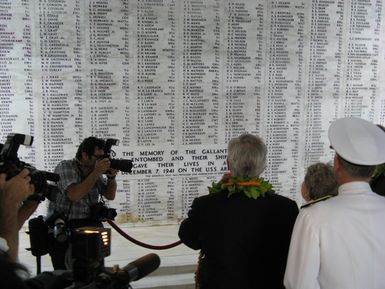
[{"x": 246, "y": 156}]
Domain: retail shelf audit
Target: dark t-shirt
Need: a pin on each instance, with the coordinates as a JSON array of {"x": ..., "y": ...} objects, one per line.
[{"x": 9, "y": 273}]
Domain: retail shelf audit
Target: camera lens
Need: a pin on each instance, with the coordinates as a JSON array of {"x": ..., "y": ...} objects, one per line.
[
  {"x": 121, "y": 165},
  {"x": 59, "y": 230}
]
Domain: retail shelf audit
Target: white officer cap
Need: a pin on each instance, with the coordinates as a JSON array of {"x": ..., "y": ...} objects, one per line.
[{"x": 358, "y": 141}]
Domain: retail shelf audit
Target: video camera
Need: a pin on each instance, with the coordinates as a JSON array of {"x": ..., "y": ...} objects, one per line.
[
  {"x": 11, "y": 165},
  {"x": 90, "y": 245},
  {"x": 45, "y": 232},
  {"x": 117, "y": 164},
  {"x": 100, "y": 212}
]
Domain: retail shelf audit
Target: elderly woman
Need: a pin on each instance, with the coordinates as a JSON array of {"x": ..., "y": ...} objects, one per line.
[
  {"x": 319, "y": 183},
  {"x": 242, "y": 227}
]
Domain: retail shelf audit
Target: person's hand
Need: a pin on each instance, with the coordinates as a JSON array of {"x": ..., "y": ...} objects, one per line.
[
  {"x": 111, "y": 173},
  {"x": 2, "y": 180},
  {"x": 102, "y": 166},
  {"x": 16, "y": 189}
]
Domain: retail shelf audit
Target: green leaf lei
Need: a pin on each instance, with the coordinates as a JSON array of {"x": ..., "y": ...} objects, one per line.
[{"x": 251, "y": 187}]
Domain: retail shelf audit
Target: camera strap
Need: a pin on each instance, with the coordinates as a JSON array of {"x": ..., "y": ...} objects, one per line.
[
  {"x": 102, "y": 199},
  {"x": 69, "y": 210}
]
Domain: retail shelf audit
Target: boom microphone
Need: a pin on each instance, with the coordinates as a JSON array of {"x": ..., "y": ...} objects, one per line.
[{"x": 140, "y": 267}]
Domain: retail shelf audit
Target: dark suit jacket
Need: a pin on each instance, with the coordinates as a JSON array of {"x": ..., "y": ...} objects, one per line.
[
  {"x": 378, "y": 184},
  {"x": 245, "y": 241}
]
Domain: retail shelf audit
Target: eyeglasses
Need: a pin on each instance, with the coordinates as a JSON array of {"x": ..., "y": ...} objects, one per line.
[{"x": 98, "y": 157}]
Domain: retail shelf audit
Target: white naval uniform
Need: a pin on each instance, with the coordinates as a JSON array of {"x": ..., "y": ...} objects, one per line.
[{"x": 339, "y": 243}]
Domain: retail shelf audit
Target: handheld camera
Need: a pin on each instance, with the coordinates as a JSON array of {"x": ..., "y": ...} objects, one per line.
[
  {"x": 11, "y": 165},
  {"x": 117, "y": 164}
]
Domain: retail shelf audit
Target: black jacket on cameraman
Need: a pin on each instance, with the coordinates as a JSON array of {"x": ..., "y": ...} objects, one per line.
[
  {"x": 9, "y": 273},
  {"x": 10, "y": 277}
]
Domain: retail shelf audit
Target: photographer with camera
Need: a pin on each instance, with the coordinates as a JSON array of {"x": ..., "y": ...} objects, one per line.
[
  {"x": 90, "y": 245},
  {"x": 82, "y": 181},
  {"x": 12, "y": 194}
]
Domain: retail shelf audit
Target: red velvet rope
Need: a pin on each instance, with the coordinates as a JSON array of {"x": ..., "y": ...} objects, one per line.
[{"x": 139, "y": 243}]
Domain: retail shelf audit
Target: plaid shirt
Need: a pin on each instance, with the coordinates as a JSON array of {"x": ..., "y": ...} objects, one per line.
[{"x": 70, "y": 173}]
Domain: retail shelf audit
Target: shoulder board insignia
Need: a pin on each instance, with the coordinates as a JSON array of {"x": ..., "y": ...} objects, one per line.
[{"x": 316, "y": 201}]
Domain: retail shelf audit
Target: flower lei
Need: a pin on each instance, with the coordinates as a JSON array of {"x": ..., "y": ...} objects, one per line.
[{"x": 251, "y": 187}]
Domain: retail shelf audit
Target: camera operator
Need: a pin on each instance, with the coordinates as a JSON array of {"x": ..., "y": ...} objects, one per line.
[
  {"x": 12, "y": 213},
  {"x": 82, "y": 181}
]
